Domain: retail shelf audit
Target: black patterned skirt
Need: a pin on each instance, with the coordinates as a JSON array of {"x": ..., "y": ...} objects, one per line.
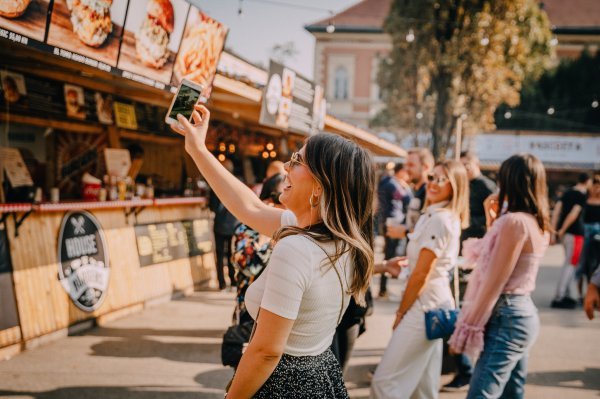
[{"x": 304, "y": 377}]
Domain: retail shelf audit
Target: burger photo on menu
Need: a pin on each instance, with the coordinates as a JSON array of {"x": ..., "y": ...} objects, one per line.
[
  {"x": 201, "y": 48},
  {"x": 92, "y": 28},
  {"x": 13, "y": 87},
  {"x": 25, "y": 17},
  {"x": 153, "y": 31}
]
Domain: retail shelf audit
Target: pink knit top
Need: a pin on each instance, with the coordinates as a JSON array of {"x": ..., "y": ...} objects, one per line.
[{"x": 507, "y": 260}]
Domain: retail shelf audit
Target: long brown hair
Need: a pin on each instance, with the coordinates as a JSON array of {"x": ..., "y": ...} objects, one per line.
[
  {"x": 522, "y": 180},
  {"x": 345, "y": 172},
  {"x": 459, "y": 203}
]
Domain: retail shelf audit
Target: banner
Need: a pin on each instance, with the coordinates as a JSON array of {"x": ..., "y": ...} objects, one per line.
[
  {"x": 292, "y": 102},
  {"x": 135, "y": 39}
]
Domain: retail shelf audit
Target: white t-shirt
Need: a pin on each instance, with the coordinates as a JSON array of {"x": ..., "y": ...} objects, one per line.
[
  {"x": 438, "y": 230},
  {"x": 300, "y": 284}
]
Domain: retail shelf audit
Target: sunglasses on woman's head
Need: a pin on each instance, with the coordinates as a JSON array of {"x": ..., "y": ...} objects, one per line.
[
  {"x": 439, "y": 180},
  {"x": 296, "y": 159}
]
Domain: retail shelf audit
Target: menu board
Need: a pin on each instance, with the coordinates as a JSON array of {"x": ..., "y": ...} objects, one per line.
[
  {"x": 87, "y": 31},
  {"x": 200, "y": 51},
  {"x": 292, "y": 102},
  {"x": 161, "y": 242},
  {"x": 11, "y": 162},
  {"x": 199, "y": 234},
  {"x": 136, "y": 39},
  {"x": 25, "y": 19}
]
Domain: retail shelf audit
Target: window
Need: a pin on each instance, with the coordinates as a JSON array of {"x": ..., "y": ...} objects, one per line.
[{"x": 340, "y": 91}]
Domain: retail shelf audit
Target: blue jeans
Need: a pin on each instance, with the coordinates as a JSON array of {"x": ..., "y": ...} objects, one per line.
[{"x": 510, "y": 333}]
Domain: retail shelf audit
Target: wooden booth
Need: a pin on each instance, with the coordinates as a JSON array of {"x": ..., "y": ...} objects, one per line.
[{"x": 66, "y": 263}]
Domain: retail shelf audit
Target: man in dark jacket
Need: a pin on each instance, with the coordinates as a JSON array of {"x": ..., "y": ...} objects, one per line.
[{"x": 223, "y": 227}]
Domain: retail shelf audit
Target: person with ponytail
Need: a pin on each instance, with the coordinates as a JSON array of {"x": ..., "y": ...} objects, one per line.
[{"x": 322, "y": 256}]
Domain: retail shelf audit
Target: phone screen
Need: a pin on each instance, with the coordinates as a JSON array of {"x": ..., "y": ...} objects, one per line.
[{"x": 184, "y": 102}]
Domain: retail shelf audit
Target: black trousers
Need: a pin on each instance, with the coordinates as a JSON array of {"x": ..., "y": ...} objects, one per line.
[
  {"x": 343, "y": 344},
  {"x": 223, "y": 244},
  {"x": 389, "y": 251}
]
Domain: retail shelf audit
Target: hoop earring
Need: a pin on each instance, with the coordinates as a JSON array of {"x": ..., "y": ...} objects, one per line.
[{"x": 310, "y": 201}]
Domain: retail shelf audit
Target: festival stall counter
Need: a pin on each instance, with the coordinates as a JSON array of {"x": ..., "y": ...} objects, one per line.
[{"x": 79, "y": 261}]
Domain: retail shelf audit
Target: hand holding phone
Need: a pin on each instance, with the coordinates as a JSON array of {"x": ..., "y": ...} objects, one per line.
[{"x": 184, "y": 101}]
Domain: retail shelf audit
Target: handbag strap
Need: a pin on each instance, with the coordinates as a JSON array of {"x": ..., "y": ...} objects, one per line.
[
  {"x": 336, "y": 272},
  {"x": 455, "y": 283}
]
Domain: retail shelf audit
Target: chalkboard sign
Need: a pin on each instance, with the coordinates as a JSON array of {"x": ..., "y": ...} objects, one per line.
[
  {"x": 161, "y": 242},
  {"x": 165, "y": 242}
]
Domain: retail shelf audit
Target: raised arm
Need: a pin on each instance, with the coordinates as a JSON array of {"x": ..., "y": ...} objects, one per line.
[{"x": 239, "y": 199}]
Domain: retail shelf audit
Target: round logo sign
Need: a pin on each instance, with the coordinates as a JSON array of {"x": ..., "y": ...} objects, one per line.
[{"x": 83, "y": 266}]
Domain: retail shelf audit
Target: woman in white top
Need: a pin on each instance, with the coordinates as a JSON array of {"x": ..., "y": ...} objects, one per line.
[
  {"x": 411, "y": 365},
  {"x": 323, "y": 254}
]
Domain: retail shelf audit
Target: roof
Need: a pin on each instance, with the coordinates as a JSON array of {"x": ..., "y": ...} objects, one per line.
[
  {"x": 367, "y": 15},
  {"x": 573, "y": 16}
]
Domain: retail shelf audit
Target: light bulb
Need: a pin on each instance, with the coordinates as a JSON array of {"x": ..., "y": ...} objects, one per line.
[
  {"x": 419, "y": 115},
  {"x": 410, "y": 36},
  {"x": 595, "y": 104},
  {"x": 485, "y": 41},
  {"x": 507, "y": 115},
  {"x": 330, "y": 28},
  {"x": 550, "y": 111}
]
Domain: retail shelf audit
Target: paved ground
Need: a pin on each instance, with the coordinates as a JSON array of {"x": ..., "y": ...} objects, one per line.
[{"x": 172, "y": 351}]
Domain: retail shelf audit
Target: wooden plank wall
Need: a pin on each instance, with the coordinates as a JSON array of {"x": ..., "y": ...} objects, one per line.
[{"x": 43, "y": 304}]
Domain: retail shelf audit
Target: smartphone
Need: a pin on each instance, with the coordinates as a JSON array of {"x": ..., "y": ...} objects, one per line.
[{"x": 183, "y": 103}]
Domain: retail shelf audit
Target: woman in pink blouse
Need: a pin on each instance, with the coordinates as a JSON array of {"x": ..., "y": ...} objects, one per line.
[{"x": 498, "y": 320}]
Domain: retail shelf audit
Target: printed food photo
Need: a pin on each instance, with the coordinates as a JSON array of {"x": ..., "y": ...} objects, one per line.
[
  {"x": 92, "y": 28},
  {"x": 25, "y": 17},
  {"x": 153, "y": 31},
  {"x": 201, "y": 48}
]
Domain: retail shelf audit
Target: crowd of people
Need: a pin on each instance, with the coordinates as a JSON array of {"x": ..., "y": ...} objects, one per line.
[{"x": 314, "y": 225}]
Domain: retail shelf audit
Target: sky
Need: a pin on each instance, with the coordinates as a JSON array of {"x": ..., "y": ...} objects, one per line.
[{"x": 264, "y": 24}]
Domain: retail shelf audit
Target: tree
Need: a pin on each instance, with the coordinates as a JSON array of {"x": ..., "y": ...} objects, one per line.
[
  {"x": 571, "y": 91},
  {"x": 458, "y": 57}
]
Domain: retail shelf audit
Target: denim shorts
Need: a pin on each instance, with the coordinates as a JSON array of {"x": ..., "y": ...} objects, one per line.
[{"x": 510, "y": 333}]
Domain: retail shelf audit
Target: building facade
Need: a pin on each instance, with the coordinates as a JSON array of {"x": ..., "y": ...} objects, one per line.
[{"x": 347, "y": 59}]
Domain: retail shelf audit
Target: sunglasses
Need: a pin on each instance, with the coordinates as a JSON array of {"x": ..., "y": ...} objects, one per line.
[
  {"x": 296, "y": 159},
  {"x": 439, "y": 180}
]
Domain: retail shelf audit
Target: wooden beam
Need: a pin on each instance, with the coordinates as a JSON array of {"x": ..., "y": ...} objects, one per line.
[
  {"x": 75, "y": 127},
  {"x": 132, "y": 135},
  {"x": 114, "y": 138}
]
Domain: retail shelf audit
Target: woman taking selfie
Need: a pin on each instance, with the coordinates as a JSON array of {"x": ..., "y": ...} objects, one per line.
[
  {"x": 498, "y": 316},
  {"x": 412, "y": 364},
  {"x": 323, "y": 255}
]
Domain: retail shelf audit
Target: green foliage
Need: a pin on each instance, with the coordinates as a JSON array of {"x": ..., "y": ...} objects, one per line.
[
  {"x": 570, "y": 89},
  {"x": 467, "y": 57}
]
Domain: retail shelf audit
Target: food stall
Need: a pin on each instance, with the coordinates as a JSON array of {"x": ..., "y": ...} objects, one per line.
[{"x": 101, "y": 211}]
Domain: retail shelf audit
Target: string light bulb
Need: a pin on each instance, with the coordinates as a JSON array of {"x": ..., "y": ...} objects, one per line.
[
  {"x": 419, "y": 115},
  {"x": 330, "y": 27},
  {"x": 550, "y": 111},
  {"x": 554, "y": 41},
  {"x": 410, "y": 36},
  {"x": 270, "y": 146},
  {"x": 272, "y": 154},
  {"x": 595, "y": 104},
  {"x": 507, "y": 115},
  {"x": 221, "y": 157},
  {"x": 484, "y": 41}
]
